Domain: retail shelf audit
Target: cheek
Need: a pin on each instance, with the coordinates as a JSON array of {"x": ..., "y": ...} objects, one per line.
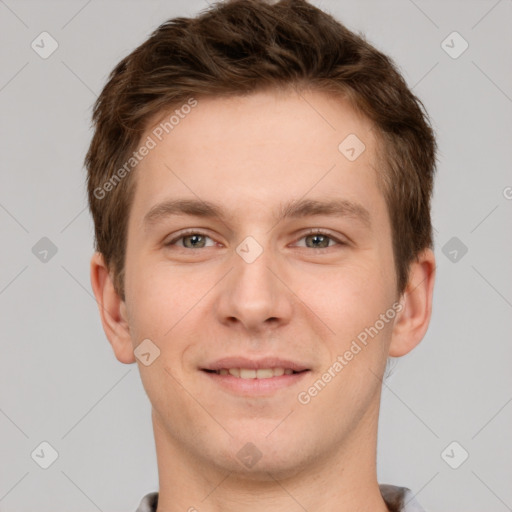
[
  {"x": 168, "y": 301},
  {"x": 350, "y": 302},
  {"x": 348, "y": 294},
  {"x": 154, "y": 298}
]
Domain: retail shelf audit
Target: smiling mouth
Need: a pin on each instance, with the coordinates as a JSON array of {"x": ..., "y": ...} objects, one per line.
[{"x": 251, "y": 373}]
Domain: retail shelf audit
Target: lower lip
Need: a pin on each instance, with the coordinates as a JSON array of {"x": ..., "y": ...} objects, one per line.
[{"x": 255, "y": 387}]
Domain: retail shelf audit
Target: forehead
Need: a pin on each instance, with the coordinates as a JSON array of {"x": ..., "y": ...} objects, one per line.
[
  {"x": 258, "y": 150},
  {"x": 304, "y": 116}
]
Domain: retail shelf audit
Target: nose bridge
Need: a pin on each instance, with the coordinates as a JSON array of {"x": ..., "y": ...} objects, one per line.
[
  {"x": 252, "y": 293},
  {"x": 253, "y": 279}
]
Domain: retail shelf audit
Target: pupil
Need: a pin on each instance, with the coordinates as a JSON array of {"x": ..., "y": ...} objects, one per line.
[
  {"x": 316, "y": 237},
  {"x": 194, "y": 237}
]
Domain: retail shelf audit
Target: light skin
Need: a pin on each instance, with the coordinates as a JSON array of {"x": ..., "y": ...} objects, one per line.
[{"x": 199, "y": 300}]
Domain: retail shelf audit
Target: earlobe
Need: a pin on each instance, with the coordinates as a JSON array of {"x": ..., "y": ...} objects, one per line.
[
  {"x": 412, "y": 322},
  {"x": 112, "y": 310}
]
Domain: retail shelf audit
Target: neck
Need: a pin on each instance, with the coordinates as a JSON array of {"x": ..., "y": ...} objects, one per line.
[{"x": 343, "y": 480}]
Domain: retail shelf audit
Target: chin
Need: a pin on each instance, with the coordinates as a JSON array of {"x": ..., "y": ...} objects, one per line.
[{"x": 263, "y": 457}]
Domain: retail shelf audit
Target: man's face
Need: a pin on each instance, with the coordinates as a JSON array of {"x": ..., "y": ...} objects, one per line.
[{"x": 253, "y": 286}]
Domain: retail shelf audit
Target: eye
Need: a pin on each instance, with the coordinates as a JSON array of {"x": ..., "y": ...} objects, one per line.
[
  {"x": 320, "y": 239},
  {"x": 192, "y": 239}
]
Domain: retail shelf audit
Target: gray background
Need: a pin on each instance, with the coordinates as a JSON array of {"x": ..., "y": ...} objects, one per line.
[{"x": 59, "y": 379}]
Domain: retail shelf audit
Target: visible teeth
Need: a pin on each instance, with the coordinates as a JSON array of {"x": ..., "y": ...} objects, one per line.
[
  {"x": 251, "y": 373},
  {"x": 264, "y": 373}
]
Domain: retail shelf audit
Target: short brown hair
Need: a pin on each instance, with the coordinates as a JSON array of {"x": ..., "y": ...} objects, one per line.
[{"x": 238, "y": 47}]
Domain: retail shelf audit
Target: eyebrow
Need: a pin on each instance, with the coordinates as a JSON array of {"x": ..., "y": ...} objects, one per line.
[{"x": 293, "y": 209}]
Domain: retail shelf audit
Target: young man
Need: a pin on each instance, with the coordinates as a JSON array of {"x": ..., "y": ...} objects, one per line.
[{"x": 260, "y": 181}]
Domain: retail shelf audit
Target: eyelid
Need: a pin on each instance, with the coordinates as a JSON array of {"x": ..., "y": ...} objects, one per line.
[{"x": 311, "y": 231}]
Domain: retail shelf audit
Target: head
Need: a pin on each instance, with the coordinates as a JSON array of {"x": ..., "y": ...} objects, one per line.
[{"x": 250, "y": 106}]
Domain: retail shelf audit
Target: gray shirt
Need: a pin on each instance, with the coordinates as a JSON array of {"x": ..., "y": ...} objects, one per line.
[{"x": 398, "y": 499}]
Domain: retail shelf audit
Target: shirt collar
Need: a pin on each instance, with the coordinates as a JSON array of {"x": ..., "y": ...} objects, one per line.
[{"x": 398, "y": 499}]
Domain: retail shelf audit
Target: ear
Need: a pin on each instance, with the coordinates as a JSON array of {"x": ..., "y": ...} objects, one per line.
[
  {"x": 112, "y": 310},
  {"x": 412, "y": 321}
]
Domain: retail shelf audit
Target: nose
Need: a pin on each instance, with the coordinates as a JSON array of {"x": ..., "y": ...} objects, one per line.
[{"x": 254, "y": 295}]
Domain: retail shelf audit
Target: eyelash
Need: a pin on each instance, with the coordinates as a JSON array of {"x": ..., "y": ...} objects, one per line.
[{"x": 312, "y": 231}]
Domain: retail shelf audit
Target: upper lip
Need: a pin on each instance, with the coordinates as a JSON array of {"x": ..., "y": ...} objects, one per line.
[{"x": 265, "y": 362}]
